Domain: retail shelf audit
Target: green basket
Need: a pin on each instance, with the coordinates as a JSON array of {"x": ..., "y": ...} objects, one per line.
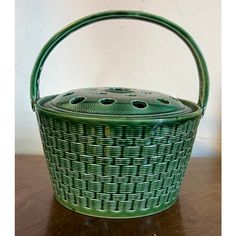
[{"x": 117, "y": 152}]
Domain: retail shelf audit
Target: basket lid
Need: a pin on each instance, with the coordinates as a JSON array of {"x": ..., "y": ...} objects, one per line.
[{"x": 117, "y": 101}]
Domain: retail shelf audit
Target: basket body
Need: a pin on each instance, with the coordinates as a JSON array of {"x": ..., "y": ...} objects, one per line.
[{"x": 116, "y": 171}]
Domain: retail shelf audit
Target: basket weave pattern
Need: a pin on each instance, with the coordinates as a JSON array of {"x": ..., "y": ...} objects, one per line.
[{"x": 116, "y": 169}]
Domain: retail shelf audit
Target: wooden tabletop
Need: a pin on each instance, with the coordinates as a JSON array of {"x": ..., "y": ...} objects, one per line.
[{"x": 196, "y": 213}]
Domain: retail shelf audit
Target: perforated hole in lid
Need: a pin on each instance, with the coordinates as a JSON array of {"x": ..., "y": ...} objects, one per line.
[
  {"x": 102, "y": 93},
  {"x": 139, "y": 104},
  {"x": 119, "y": 90},
  {"x": 68, "y": 94},
  {"x": 131, "y": 95},
  {"x": 77, "y": 100},
  {"x": 163, "y": 100},
  {"x": 107, "y": 101}
]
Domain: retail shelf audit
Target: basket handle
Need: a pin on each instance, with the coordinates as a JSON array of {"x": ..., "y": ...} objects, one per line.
[{"x": 137, "y": 15}]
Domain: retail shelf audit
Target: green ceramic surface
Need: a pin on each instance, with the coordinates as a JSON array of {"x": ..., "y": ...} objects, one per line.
[
  {"x": 117, "y": 101},
  {"x": 117, "y": 152},
  {"x": 117, "y": 170}
]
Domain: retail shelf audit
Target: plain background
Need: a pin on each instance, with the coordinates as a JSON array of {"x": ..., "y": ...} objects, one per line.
[{"x": 118, "y": 53}]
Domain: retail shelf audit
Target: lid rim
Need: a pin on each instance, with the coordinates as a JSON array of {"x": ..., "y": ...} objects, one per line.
[{"x": 194, "y": 108}]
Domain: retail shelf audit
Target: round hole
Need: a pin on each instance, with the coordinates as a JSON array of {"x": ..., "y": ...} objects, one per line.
[
  {"x": 163, "y": 100},
  {"x": 119, "y": 90},
  {"x": 139, "y": 104},
  {"x": 107, "y": 101},
  {"x": 77, "y": 100},
  {"x": 67, "y": 94},
  {"x": 147, "y": 93},
  {"x": 131, "y": 95},
  {"x": 102, "y": 93}
]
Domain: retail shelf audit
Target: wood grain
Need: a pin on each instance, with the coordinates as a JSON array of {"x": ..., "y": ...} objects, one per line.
[{"x": 196, "y": 213}]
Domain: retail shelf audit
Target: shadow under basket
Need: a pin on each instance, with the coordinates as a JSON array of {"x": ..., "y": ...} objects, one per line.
[{"x": 117, "y": 152}]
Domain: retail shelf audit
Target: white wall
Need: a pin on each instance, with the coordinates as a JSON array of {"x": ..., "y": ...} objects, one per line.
[{"x": 118, "y": 53}]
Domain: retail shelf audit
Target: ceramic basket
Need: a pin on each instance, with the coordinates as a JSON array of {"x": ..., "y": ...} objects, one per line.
[{"x": 117, "y": 152}]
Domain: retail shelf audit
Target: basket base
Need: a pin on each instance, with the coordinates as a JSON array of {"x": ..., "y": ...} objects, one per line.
[{"x": 118, "y": 214}]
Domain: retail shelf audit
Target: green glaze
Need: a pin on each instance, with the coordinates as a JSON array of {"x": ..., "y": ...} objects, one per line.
[
  {"x": 113, "y": 102},
  {"x": 113, "y": 169},
  {"x": 200, "y": 62},
  {"x": 117, "y": 152},
  {"x": 42, "y": 108},
  {"x": 117, "y": 214}
]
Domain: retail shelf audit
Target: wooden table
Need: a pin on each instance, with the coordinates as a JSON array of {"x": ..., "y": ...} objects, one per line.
[{"x": 196, "y": 213}]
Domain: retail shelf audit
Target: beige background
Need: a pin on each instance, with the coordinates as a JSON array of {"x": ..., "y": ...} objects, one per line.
[{"x": 118, "y": 53}]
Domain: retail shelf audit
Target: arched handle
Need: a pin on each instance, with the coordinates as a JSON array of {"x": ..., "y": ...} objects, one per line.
[{"x": 137, "y": 15}]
